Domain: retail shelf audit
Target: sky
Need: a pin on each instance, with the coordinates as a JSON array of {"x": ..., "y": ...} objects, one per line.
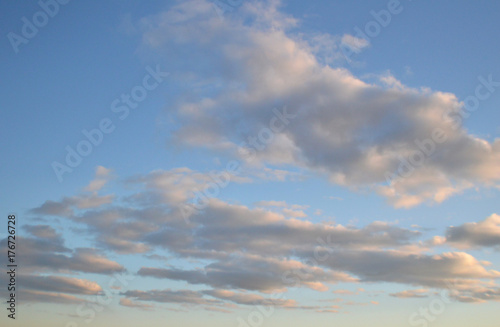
[{"x": 251, "y": 163}]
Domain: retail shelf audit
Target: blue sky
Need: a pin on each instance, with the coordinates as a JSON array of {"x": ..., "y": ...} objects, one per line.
[{"x": 211, "y": 75}]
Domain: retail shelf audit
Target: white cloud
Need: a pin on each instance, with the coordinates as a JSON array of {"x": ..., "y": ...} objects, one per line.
[
  {"x": 102, "y": 176},
  {"x": 356, "y": 44},
  {"x": 352, "y": 131}
]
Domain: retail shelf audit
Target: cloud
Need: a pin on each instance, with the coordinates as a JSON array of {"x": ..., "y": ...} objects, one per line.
[
  {"x": 414, "y": 269},
  {"x": 88, "y": 260},
  {"x": 177, "y": 185},
  {"x": 170, "y": 296},
  {"x": 53, "y": 209},
  {"x": 60, "y": 284},
  {"x": 356, "y": 44},
  {"x": 53, "y": 288},
  {"x": 252, "y": 273},
  {"x": 131, "y": 304},
  {"x": 327, "y": 311},
  {"x": 49, "y": 297},
  {"x": 220, "y": 299},
  {"x": 418, "y": 293},
  {"x": 123, "y": 246},
  {"x": 91, "y": 201},
  {"x": 265, "y": 231},
  {"x": 135, "y": 227},
  {"x": 50, "y": 255},
  {"x": 66, "y": 207},
  {"x": 42, "y": 231},
  {"x": 245, "y": 250},
  {"x": 248, "y": 299},
  {"x": 478, "y": 295},
  {"x": 483, "y": 233},
  {"x": 82, "y": 259},
  {"x": 352, "y": 131},
  {"x": 343, "y": 292},
  {"x": 294, "y": 210},
  {"x": 102, "y": 176},
  {"x": 271, "y": 204}
]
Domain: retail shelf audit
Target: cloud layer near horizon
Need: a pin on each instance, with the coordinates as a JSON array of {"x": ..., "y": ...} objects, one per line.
[{"x": 244, "y": 254}]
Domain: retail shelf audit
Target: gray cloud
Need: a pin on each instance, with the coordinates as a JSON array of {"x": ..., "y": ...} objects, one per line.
[
  {"x": 482, "y": 233},
  {"x": 251, "y": 272},
  {"x": 53, "y": 209},
  {"x": 170, "y": 296},
  {"x": 264, "y": 249},
  {"x": 248, "y": 298},
  {"x": 260, "y": 249},
  {"x": 50, "y": 255},
  {"x": 47, "y": 297},
  {"x": 126, "y": 302},
  {"x": 59, "y": 284},
  {"x": 42, "y": 231},
  {"x": 414, "y": 269},
  {"x": 478, "y": 295},
  {"x": 418, "y": 293}
]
